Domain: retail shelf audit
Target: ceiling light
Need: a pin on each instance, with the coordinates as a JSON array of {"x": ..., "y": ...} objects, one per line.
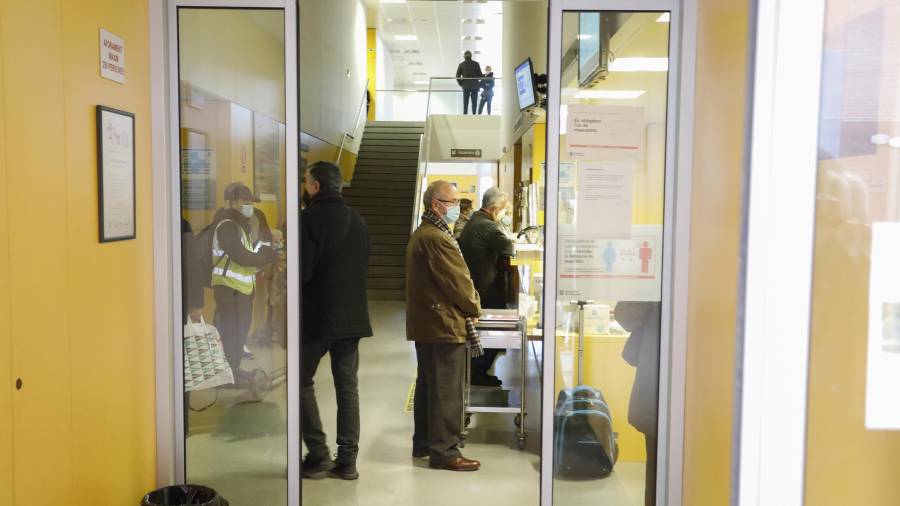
[
  {"x": 410, "y": 51},
  {"x": 397, "y": 21},
  {"x": 418, "y": 73},
  {"x": 420, "y": 82},
  {"x": 405, "y": 37},
  {"x": 584, "y": 36},
  {"x": 393, "y": 1},
  {"x": 639, "y": 65},
  {"x": 414, "y": 63},
  {"x": 472, "y": 21},
  {"x": 664, "y": 18},
  {"x": 472, "y": 37},
  {"x": 610, "y": 94}
]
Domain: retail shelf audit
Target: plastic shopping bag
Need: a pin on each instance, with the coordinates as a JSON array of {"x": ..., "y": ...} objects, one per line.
[{"x": 205, "y": 365}]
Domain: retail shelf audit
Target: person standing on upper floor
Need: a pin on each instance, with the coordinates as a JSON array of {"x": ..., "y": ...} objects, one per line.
[
  {"x": 468, "y": 75},
  {"x": 441, "y": 310},
  {"x": 465, "y": 212},
  {"x": 484, "y": 244},
  {"x": 487, "y": 90},
  {"x": 236, "y": 259},
  {"x": 335, "y": 267}
]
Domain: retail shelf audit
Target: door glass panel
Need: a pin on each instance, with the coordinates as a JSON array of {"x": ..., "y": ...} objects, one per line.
[
  {"x": 614, "y": 84},
  {"x": 232, "y": 147},
  {"x": 854, "y": 368}
]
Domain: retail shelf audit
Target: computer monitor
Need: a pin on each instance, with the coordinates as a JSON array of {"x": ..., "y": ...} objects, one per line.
[
  {"x": 593, "y": 47},
  {"x": 525, "y": 85}
]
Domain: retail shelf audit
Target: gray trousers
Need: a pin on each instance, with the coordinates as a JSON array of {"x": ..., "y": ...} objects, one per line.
[{"x": 438, "y": 400}]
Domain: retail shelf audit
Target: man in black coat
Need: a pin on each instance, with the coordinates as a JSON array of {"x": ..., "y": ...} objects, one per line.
[
  {"x": 468, "y": 75},
  {"x": 335, "y": 261},
  {"x": 483, "y": 244}
]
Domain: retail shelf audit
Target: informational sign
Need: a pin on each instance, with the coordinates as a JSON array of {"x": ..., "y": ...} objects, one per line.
[
  {"x": 604, "y": 199},
  {"x": 198, "y": 179},
  {"x": 883, "y": 364},
  {"x": 629, "y": 268},
  {"x": 465, "y": 153},
  {"x": 605, "y": 132},
  {"x": 112, "y": 57},
  {"x": 115, "y": 157}
]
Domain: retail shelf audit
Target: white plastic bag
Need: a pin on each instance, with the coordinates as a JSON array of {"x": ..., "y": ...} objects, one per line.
[{"x": 205, "y": 365}]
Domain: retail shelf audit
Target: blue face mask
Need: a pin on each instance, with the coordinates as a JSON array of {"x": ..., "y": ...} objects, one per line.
[
  {"x": 247, "y": 210},
  {"x": 452, "y": 215}
]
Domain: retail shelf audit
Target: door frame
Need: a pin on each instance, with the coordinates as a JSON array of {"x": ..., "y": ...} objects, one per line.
[
  {"x": 676, "y": 236},
  {"x": 167, "y": 237}
]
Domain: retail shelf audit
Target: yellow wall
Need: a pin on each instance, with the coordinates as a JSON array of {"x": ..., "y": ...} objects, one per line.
[
  {"x": 716, "y": 219},
  {"x": 320, "y": 150},
  {"x": 79, "y": 330},
  {"x": 371, "y": 67}
]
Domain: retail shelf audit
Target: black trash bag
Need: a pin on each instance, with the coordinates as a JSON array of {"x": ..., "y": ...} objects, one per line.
[{"x": 183, "y": 495}]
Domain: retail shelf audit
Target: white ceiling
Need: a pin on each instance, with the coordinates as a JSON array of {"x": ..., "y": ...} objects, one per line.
[{"x": 440, "y": 28}]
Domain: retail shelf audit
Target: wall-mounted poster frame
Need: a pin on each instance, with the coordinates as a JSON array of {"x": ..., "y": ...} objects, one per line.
[{"x": 116, "y": 175}]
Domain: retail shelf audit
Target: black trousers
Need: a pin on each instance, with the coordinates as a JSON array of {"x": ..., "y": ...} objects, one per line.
[
  {"x": 438, "y": 401},
  {"x": 650, "y": 475},
  {"x": 344, "y": 367},
  {"x": 469, "y": 96},
  {"x": 486, "y": 98},
  {"x": 234, "y": 312},
  {"x": 481, "y": 365}
]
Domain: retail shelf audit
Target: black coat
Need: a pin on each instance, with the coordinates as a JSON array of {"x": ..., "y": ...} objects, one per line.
[
  {"x": 483, "y": 243},
  {"x": 642, "y": 319},
  {"x": 334, "y": 253},
  {"x": 469, "y": 68}
]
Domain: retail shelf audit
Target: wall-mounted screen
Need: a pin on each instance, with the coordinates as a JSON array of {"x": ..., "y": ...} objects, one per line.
[
  {"x": 525, "y": 84},
  {"x": 590, "y": 51}
]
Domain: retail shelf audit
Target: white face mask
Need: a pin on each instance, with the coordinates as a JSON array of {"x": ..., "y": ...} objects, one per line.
[{"x": 247, "y": 210}]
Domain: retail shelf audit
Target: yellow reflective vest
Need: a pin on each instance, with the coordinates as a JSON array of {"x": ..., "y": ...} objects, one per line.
[{"x": 227, "y": 272}]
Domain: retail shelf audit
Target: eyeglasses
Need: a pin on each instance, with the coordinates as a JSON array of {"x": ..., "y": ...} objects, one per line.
[{"x": 452, "y": 203}]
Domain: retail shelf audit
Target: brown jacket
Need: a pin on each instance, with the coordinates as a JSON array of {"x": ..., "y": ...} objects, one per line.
[{"x": 439, "y": 291}]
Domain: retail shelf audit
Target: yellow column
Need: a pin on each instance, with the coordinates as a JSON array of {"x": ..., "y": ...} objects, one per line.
[{"x": 371, "y": 55}]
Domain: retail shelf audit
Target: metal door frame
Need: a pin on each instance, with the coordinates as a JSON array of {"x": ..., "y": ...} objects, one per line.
[
  {"x": 167, "y": 237},
  {"x": 676, "y": 235}
]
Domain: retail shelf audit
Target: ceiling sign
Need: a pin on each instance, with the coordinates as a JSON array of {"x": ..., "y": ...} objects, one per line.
[{"x": 465, "y": 153}]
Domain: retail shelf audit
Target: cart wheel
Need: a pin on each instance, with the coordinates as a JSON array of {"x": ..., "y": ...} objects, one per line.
[
  {"x": 468, "y": 420},
  {"x": 518, "y": 421},
  {"x": 521, "y": 443}
]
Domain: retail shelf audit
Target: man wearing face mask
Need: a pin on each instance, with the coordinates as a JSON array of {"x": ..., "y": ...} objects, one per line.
[
  {"x": 484, "y": 246},
  {"x": 236, "y": 259},
  {"x": 441, "y": 309}
]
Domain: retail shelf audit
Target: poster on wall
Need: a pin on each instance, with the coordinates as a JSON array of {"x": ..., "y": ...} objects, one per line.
[
  {"x": 604, "y": 199},
  {"x": 112, "y": 57},
  {"x": 883, "y": 353},
  {"x": 115, "y": 178},
  {"x": 267, "y": 135},
  {"x": 605, "y": 132},
  {"x": 607, "y": 269}
]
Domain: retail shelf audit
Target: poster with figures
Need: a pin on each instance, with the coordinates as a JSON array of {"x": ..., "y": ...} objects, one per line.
[
  {"x": 612, "y": 269},
  {"x": 115, "y": 161},
  {"x": 883, "y": 353}
]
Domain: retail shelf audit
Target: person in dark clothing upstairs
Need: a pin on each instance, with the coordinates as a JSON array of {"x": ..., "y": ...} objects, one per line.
[
  {"x": 468, "y": 75},
  {"x": 483, "y": 243},
  {"x": 335, "y": 263},
  {"x": 487, "y": 91},
  {"x": 236, "y": 259}
]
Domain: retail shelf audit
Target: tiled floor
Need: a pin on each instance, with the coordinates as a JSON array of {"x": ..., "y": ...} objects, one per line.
[{"x": 239, "y": 448}]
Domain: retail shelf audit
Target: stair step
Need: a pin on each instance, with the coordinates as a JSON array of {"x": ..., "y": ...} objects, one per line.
[
  {"x": 368, "y": 200},
  {"x": 376, "y": 230},
  {"x": 387, "y": 294},
  {"x": 381, "y": 186},
  {"x": 379, "y": 135},
  {"x": 400, "y": 177},
  {"x": 392, "y": 260},
  {"x": 389, "y": 283},
  {"x": 395, "y": 124},
  {"x": 388, "y": 140},
  {"x": 389, "y": 219},
  {"x": 387, "y": 249},
  {"x": 391, "y": 149},
  {"x": 386, "y": 271},
  {"x": 402, "y": 192},
  {"x": 371, "y": 211}
]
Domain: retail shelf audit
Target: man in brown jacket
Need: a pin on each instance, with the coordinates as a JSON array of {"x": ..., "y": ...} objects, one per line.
[{"x": 441, "y": 309}]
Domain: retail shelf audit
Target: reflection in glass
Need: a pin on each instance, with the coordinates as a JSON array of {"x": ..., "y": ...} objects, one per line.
[
  {"x": 611, "y": 213},
  {"x": 234, "y": 262}
]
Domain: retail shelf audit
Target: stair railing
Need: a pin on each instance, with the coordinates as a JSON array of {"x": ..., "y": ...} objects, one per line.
[
  {"x": 421, "y": 166},
  {"x": 355, "y": 127}
]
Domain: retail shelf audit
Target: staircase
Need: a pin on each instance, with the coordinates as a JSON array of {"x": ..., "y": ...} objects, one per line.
[{"x": 383, "y": 191}]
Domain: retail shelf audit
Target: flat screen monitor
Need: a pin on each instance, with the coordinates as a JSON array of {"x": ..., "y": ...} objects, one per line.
[
  {"x": 589, "y": 50},
  {"x": 525, "y": 85}
]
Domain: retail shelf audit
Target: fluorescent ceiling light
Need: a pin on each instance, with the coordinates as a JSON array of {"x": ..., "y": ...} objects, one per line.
[
  {"x": 665, "y": 18},
  {"x": 584, "y": 36},
  {"x": 473, "y": 21},
  {"x": 472, "y": 37},
  {"x": 420, "y": 82},
  {"x": 639, "y": 65},
  {"x": 611, "y": 94},
  {"x": 405, "y": 37},
  {"x": 393, "y": 1}
]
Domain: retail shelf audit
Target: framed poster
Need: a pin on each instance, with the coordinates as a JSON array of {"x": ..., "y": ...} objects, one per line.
[{"x": 115, "y": 174}]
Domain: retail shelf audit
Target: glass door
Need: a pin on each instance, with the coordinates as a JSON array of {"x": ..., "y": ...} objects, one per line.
[
  {"x": 609, "y": 243},
  {"x": 234, "y": 134}
]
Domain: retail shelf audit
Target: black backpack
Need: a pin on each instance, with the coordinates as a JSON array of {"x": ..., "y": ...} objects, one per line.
[
  {"x": 199, "y": 253},
  {"x": 586, "y": 446}
]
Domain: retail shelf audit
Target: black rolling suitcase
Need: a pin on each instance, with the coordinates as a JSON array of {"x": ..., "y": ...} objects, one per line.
[{"x": 585, "y": 444}]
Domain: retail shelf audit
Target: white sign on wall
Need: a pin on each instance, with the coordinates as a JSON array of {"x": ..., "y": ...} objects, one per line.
[
  {"x": 883, "y": 363},
  {"x": 604, "y": 199},
  {"x": 112, "y": 57},
  {"x": 605, "y": 132}
]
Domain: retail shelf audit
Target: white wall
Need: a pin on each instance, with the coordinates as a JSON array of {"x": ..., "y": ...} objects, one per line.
[
  {"x": 384, "y": 78},
  {"x": 524, "y": 35},
  {"x": 332, "y": 41},
  {"x": 446, "y": 132}
]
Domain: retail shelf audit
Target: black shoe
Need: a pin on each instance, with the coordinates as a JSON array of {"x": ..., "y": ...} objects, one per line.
[
  {"x": 486, "y": 381},
  {"x": 344, "y": 472},
  {"x": 316, "y": 468}
]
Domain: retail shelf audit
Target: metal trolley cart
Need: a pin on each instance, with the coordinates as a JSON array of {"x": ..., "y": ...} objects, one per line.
[{"x": 498, "y": 329}]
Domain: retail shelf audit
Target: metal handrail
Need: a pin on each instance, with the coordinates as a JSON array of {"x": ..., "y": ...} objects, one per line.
[{"x": 362, "y": 103}]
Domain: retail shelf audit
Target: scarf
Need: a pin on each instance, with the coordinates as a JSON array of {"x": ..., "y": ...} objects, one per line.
[{"x": 472, "y": 339}]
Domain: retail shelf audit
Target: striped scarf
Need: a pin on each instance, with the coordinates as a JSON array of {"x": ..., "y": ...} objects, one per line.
[{"x": 472, "y": 339}]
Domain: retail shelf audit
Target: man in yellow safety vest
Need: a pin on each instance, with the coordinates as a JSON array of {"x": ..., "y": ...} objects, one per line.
[{"x": 235, "y": 263}]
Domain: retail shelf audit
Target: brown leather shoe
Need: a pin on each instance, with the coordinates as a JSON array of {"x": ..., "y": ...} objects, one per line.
[{"x": 456, "y": 464}]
